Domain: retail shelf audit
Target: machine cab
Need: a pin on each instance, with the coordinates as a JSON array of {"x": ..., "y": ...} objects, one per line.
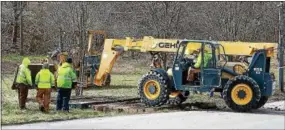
[{"x": 207, "y": 73}]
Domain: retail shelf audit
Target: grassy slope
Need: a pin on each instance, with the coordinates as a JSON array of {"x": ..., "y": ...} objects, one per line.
[
  {"x": 11, "y": 113},
  {"x": 121, "y": 85}
]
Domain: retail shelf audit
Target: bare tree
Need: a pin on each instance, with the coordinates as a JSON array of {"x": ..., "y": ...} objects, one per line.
[
  {"x": 18, "y": 8},
  {"x": 244, "y": 21}
]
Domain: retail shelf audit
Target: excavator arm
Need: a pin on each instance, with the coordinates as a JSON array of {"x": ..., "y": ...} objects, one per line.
[{"x": 114, "y": 47}]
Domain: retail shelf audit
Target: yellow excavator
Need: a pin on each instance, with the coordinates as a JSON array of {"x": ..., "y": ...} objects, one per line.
[
  {"x": 244, "y": 86},
  {"x": 114, "y": 47}
]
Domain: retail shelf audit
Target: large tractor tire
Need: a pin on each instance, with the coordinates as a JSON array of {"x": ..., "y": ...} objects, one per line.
[
  {"x": 261, "y": 102},
  {"x": 153, "y": 89},
  {"x": 241, "y": 93},
  {"x": 177, "y": 98}
]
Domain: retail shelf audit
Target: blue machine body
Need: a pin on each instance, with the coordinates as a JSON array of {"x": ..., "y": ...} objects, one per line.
[
  {"x": 210, "y": 77},
  {"x": 91, "y": 64},
  {"x": 259, "y": 70}
]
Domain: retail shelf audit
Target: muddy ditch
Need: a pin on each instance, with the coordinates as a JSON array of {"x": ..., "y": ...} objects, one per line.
[
  {"x": 94, "y": 99},
  {"x": 133, "y": 105},
  {"x": 137, "y": 107}
]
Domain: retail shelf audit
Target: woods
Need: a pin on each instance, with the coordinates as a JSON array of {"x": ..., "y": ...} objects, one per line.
[{"x": 39, "y": 27}]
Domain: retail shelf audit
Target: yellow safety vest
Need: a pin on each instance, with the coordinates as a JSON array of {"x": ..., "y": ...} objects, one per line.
[
  {"x": 44, "y": 79},
  {"x": 24, "y": 74},
  {"x": 65, "y": 76}
]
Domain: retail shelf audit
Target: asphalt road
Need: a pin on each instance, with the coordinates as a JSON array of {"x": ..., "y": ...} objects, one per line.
[{"x": 174, "y": 120}]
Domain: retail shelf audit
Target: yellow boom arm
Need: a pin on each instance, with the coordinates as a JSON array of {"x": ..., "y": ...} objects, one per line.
[{"x": 150, "y": 44}]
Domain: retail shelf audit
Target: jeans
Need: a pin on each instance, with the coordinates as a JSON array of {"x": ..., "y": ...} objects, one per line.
[{"x": 63, "y": 97}]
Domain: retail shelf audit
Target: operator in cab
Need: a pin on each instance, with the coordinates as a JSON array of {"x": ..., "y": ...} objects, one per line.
[{"x": 196, "y": 67}]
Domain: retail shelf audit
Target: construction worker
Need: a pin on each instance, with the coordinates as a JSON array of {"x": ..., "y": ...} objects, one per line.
[
  {"x": 65, "y": 77},
  {"x": 44, "y": 82},
  {"x": 61, "y": 58},
  {"x": 23, "y": 81},
  {"x": 196, "y": 68}
]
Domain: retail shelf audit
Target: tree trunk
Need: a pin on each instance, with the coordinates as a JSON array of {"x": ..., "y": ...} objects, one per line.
[
  {"x": 15, "y": 27},
  {"x": 82, "y": 40},
  {"x": 21, "y": 31}
]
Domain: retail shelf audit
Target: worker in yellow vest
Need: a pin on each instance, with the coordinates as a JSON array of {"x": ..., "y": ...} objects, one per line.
[
  {"x": 23, "y": 81},
  {"x": 65, "y": 77},
  {"x": 44, "y": 81},
  {"x": 196, "y": 67},
  {"x": 62, "y": 56}
]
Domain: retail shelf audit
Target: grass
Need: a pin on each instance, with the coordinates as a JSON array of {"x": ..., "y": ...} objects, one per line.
[
  {"x": 122, "y": 85},
  {"x": 18, "y": 58}
]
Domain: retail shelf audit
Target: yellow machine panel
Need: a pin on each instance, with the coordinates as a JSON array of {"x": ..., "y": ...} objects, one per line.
[{"x": 149, "y": 43}]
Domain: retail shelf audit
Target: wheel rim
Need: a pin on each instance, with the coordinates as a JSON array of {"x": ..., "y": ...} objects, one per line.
[
  {"x": 241, "y": 94},
  {"x": 152, "y": 89}
]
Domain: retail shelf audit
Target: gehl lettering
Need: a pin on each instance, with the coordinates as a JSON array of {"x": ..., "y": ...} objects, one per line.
[{"x": 167, "y": 45}]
